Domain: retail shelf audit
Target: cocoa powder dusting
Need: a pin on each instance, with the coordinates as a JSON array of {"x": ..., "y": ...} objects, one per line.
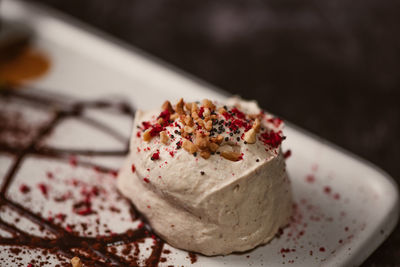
[{"x": 66, "y": 240}]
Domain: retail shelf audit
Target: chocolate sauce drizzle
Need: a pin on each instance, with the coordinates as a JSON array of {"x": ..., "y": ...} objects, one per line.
[{"x": 65, "y": 242}]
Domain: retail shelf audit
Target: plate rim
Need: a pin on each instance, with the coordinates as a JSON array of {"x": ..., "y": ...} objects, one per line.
[{"x": 363, "y": 251}]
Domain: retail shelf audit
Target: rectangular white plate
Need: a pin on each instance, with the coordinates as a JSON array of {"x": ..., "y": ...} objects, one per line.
[{"x": 346, "y": 206}]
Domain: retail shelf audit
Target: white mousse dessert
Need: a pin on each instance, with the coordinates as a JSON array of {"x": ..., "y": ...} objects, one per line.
[{"x": 210, "y": 177}]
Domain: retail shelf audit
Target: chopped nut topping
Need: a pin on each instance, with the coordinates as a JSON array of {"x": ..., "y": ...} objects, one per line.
[
  {"x": 195, "y": 116},
  {"x": 174, "y": 116},
  {"x": 213, "y": 147},
  {"x": 183, "y": 132},
  {"x": 201, "y": 141},
  {"x": 250, "y": 136},
  {"x": 76, "y": 262},
  {"x": 206, "y": 112},
  {"x": 221, "y": 110},
  {"x": 208, "y": 104},
  {"x": 183, "y": 117},
  {"x": 167, "y": 106},
  {"x": 179, "y": 107},
  {"x": 209, "y": 125},
  {"x": 188, "y": 106},
  {"x": 257, "y": 125},
  {"x": 188, "y": 120},
  {"x": 200, "y": 130},
  {"x": 147, "y": 136},
  {"x": 160, "y": 121},
  {"x": 205, "y": 154},
  {"x": 188, "y": 129},
  {"x": 164, "y": 137},
  {"x": 195, "y": 108},
  {"x": 200, "y": 122},
  {"x": 217, "y": 139},
  {"x": 230, "y": 155},
  {"x": 189, "y": 146}
]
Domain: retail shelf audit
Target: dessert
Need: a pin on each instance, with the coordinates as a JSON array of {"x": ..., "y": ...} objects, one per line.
[{"x": 210, "y": 177}]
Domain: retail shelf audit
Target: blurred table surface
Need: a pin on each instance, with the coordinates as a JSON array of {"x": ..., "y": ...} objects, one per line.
[{"x": 329, "y": 66}]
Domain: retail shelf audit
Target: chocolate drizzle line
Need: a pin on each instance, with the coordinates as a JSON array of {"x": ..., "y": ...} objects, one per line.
[{"x": 67, "y": 243}]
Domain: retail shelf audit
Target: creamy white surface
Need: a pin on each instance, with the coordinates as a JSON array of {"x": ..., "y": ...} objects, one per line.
[{"x": 234, "y": 206}]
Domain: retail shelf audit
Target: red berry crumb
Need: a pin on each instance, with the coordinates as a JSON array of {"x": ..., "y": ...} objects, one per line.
[
  {"x": 155, "y": 156},
  {"x": 287, "y": 154},
  {"x": 24, "y": 188},
  {"x": 72, "y": 161},
  {"x": 310, "y": 179},
  {"x": 327, "y": 189},
  {"x": 43, "y": 189}
]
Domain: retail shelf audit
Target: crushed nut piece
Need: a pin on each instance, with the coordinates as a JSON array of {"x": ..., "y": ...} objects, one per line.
[
  {"x": 189, "y": 121},
  {"x": 188, "y": 106},
  {"x": 208, "y": 104},
  {"x": 183, "y": 117},
  {"x": 217, "y": 139},
  {"x": 183, "y": 132},
  {"x": 201, "y": 140},
  {"x": 195, "y": 108},
  {"x": 205, "y": 154},
  {"x": 213, "y": 147},
  {"x": 257, "y": 125},
  {"x": 147, "y": 136},
  {"x": 195, "y": 116},
  {"x": 160, "y": 121},
  {"x": 230, "y": 155},
  {"x": 174, "y": 116},
  {"x": 164, "y": 137},
  {"x": 188, "y": 129},
  {"x": 221, "y": 110},
  {"x": 76, "y": 262},
  {"x": 209, "y": 125},
  {"x": 200, "y": 122},
  {"x": 167, "y": 106},
  {"x": 189, "y": 146},
  {"x": 206, "y": 112},
  {"x": 179, "y": 107},
  {"x": 250, "y": 136}
]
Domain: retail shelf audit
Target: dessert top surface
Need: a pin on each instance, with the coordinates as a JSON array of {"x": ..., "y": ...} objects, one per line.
[
  {"x": 192, "y": 148},
  {"x": 208, "y": 128}
]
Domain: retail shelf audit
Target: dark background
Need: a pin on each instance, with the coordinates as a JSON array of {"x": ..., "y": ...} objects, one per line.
[{"x": 329, "y": 66}]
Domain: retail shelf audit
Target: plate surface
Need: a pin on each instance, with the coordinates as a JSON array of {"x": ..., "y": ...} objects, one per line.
[{"x": 344, "y": 206}]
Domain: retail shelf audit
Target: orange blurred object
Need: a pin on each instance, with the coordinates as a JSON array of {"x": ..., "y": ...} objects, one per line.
[{"x": 28, "y": 65}]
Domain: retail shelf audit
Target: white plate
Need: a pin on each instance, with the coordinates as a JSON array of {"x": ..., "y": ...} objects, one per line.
[{"x": 346, "y": 206}]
